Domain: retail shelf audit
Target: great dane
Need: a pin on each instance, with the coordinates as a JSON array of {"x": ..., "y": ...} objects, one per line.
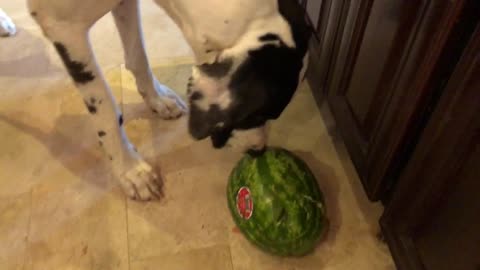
[{"x": 249, "y": 58}]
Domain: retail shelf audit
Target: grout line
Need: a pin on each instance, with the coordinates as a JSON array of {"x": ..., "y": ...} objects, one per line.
[
  {"x": 231, "y": 256},
  {"x": 26, "y": 257},
  {"x": 128, "y": 237}
]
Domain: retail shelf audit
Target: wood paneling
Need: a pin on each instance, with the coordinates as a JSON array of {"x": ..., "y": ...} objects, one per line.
[
  {"x": 383, "y": 58},
  {"x": 402, "y": 79},
  {"x": 377, "y": 43},
  {"x": 432, "y": 220}
]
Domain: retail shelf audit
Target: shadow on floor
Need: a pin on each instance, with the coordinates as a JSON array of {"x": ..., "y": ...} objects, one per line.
[
  {"x": 28, "y": 57},
  {"x": 65, "y": 142}
]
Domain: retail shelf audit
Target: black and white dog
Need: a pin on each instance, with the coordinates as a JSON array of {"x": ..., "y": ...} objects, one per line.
[{"x": 249, "y": 60}]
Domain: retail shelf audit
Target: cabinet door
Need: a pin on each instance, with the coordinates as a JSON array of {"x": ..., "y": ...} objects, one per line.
[
  {"x": 432, "y": 221},
  {"x": 380, "y": 79}
]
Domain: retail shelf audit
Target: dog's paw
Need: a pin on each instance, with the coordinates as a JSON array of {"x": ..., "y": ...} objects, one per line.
[
  {"x": 166, "y": 103},
  {"x": 140, "y": 182}
]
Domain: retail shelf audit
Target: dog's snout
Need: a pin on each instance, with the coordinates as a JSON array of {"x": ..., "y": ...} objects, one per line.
[{"x": 197, "y": 129}]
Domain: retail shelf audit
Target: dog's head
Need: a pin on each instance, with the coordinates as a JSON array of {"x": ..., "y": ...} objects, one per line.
[{"x": 236, "y": 95}]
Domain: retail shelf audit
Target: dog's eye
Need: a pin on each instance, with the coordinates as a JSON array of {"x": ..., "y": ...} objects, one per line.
[{"x": 196, "y": 95}]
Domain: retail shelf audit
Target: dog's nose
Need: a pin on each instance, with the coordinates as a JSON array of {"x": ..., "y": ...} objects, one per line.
[
  {"x": 220, "y": 137},
  {"x": 198, "y": 131}
]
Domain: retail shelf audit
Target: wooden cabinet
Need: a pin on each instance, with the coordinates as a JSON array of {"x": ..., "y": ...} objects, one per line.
[
  {"x": 433, "y": 219},
  {"x": 377, "y": 65},
  {"x": 402, "y": 80}
]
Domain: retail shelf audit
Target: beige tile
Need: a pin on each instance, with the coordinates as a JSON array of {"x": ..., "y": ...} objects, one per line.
[
  {"x": 192, "y": 215},
  {"x": 24, "y": 124},
  {"x": 14, "y": 223},
  {"x": 78, "y": 220},
  {"x": 211, "y": 258},
  {"x": 300, "y": 126}
]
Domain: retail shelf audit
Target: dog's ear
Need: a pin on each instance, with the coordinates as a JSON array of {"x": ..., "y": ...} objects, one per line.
[
  {"x": 280, "y": 68},
  {"x": 266, "y": 81}
]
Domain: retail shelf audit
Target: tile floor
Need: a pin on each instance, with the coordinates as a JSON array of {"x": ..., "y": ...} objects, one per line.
[{"x": 61, "y": 209}]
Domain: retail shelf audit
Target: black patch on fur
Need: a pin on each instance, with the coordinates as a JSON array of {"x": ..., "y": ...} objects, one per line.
[
  {"x": 269, "y": 37},
  {"x": 91, "y": 105},
  {"x": 120, "y": 119},
  {"x": 293, "y": 12},
  {"x": 33, "y": 13},
  {"x": 263, "y": 85},
  {"x": 208, "y": 51},
  {"x": 220, "y": 137},
  {"x": 92, "y": 109},
  {"x": 75, "y": 69},
  {"x": 101, "y": 133},
  {"x": 217, "y": 69}
]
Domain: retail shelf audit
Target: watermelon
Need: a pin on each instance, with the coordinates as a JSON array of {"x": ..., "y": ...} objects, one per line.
[{"x": 276, "y": 203}]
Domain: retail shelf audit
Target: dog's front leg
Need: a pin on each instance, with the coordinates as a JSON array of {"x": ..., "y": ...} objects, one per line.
[
  {"x": 163, "y": 101},
  {"x": 137, "y": 178}
]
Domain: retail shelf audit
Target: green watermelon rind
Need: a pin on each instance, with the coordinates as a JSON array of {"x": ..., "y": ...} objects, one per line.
[{"x": 256, "y": 231}]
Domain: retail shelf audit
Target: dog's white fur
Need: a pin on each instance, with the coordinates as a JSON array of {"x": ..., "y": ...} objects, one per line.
[{"x": 214, "y": 29}]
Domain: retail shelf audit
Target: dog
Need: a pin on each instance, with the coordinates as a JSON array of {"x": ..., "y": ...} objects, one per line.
[{"x": 249, "y": 60}]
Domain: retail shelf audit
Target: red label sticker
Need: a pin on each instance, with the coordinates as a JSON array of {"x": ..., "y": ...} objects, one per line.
[{"x": 244, "y": 203}]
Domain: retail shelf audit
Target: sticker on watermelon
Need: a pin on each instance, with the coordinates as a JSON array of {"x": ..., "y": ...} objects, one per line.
[{"x": 244, "y": 203}]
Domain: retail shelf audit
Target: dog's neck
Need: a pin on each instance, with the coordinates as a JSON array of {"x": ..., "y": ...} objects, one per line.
[
  {"x": 215, "y": 29},
  {"x": 252, "y": 38}
]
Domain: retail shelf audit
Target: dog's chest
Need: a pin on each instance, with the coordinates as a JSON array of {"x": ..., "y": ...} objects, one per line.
[{"x": 213, "y": 25}]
